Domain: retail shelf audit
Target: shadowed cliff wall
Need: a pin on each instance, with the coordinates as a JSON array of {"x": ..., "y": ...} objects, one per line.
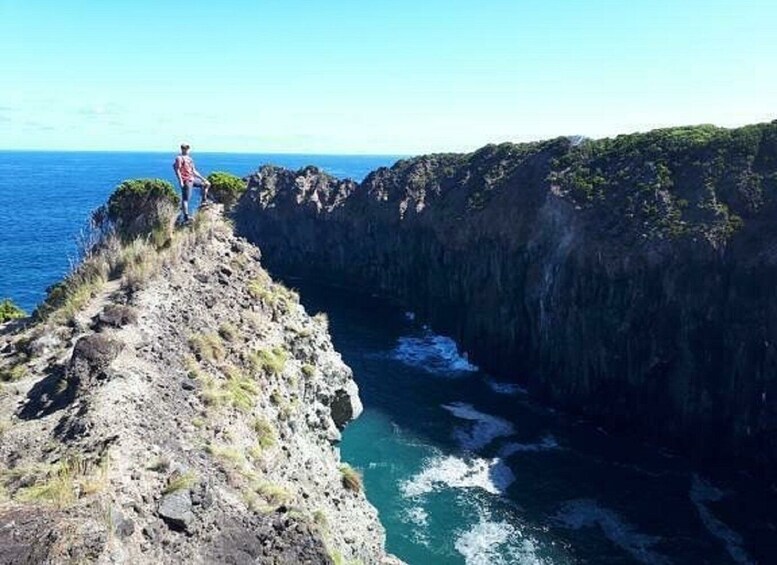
[{"x": 630, "y": 279}]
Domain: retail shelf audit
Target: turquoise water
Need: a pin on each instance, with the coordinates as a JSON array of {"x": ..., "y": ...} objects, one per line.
[{"x": 462, "y": 467}]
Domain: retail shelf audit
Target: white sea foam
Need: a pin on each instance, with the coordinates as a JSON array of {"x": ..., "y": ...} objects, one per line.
[
  {"x": 491, "y": 475},
  {"x": 508, "y": 389},
  {"x": 587, "y": 513},
  {"x": 410, "y": 316},
  {"x": 701, "y": 492},
  {"x": 417, "y": 516},
  {"x": 547, "y": 443},
  {"x": 497, "y": 543},
  {"x": 418, "y": 521},
  {"x": 433, "y": 353},
  {"x": 484, "y": 429}
]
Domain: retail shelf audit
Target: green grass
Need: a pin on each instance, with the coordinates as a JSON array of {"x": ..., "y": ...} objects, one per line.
[
  {"x": 227, "y": 454},
  {"x": 240, "y": 390},
  {"x": 180, "y": 482},
  {"x": 13, "y": 373},
  {"x": 308, "y": 370},
  {"x": 10, "y": 311},
  {"x": 265, "y": 432},
  {"x": 272, "y": 496},
  {"x": 63, "y": 483},
  {"x": 269, "y": 361}
]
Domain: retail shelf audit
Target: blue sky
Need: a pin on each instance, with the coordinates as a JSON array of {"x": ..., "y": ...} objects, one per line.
[{"x": 375, "y": 76}]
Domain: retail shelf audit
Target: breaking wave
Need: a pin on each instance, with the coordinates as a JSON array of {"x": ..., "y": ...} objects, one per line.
[
  {"x": 491, "y": 475},
  {"x": 433, "y": 353},
  {"x": 497, "y": 543},
  {"x": 484, "y": 429}
]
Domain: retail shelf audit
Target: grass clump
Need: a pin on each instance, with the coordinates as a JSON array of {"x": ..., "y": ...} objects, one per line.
[
  {"x": 265, "y": 432},
  {"x": 274, "y": 295},
  {"x": 308, "y": 370},
  {"x": 240, "y": 390},
  {"x": 228, "y": 331},
  {"x": 13, "y": 373},
  {"x": 180, "y": 482},
  {"x": 159, "y": 465},
  {"x": 351, "y": 478},
  {"x": 271, "y": 496},
  {"x": 68, "y": 297},
  {"x": 208, "y": 346},
  {"x": 258, "y": 287},
  {"x": 269, "y": 361},
  {"x": 63, "y": 483},
  {"x": 10, "y": 311},
  {"x": 226, "y": 454}
]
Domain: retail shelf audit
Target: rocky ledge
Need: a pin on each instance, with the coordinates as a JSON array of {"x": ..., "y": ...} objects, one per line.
[
  {"x": 632, "y": 280},
  {"x": 172, "y": 404}
]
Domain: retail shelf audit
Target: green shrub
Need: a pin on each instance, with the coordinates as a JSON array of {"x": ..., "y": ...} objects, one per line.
[
  {"x": 10, "y": 311},
  {"x": 139, "y": 207},
  {"x": 226, "y": 188}
]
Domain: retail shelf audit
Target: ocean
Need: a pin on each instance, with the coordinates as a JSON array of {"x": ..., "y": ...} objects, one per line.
[{"x": 464, "y": 468}]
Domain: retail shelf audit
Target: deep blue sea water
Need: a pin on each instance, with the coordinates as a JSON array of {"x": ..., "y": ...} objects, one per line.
[
  {"x": 462, "y": 467},
  {"x": 45, "y": 200}
]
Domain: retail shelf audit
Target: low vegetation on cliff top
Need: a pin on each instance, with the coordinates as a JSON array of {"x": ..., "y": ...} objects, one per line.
[
  {"x": 10, "y": 311},
  {"x": 129, "y": 240},
  {"x": 702, "y": 181},
  {"x": 226, "y": 188}
]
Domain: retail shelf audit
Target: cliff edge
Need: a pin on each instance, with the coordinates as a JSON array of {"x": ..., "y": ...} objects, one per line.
[{"x": 170, "y": 403}]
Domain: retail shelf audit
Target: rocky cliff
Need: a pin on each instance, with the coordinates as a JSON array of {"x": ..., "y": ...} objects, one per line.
[
  {"x": 632, "y": 280},
  {"x": 172, "y": 404}
]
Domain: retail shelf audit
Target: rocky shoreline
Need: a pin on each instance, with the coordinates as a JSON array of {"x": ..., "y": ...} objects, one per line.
[
  {"x": 629, "y": 280},
  {"x": 188, "y": 411}
]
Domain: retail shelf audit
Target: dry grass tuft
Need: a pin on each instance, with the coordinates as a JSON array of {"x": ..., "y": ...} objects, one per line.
[{"x": 351, "y": 478}]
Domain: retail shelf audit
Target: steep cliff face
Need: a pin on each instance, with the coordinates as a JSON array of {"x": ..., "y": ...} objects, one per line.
[
  {"x": 631, "y": 280},
  {"x": 186, "y": 411}
]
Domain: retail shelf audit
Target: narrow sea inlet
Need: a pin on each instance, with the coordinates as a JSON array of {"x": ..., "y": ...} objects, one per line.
[{"x": 463, "y": 467}]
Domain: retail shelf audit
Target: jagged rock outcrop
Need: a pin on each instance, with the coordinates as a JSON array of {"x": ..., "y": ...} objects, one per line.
[
  {"x": 632, "y": 279},
  {"x": 185, "y": 410}
]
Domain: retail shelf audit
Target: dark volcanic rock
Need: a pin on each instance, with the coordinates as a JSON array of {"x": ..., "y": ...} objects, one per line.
[
  {"x": 175, "y": 509},
  {"x": 116, "y": 316},
  {"x": 92, "y": 355},
  {"x": 633, "y": 280},
  {"x": 276, "y": 539}
]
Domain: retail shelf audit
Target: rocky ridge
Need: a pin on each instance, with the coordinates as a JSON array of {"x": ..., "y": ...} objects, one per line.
[
  {"x": 631, "y": 280},
  {"x": 186, "y": 412}
]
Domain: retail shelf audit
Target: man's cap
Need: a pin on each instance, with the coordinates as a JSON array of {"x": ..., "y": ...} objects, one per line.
[{"x": 185, "y": 146}]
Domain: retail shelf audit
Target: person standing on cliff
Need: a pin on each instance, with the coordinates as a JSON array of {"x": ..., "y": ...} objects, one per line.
[{"x": 188, "y": 178}]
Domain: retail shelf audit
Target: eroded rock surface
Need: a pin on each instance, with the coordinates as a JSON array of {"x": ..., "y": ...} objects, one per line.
[{"x": 184, "y": 414}]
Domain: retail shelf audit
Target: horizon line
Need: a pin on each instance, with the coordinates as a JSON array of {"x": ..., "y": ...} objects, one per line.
[{"x": 538, "y": 139}]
